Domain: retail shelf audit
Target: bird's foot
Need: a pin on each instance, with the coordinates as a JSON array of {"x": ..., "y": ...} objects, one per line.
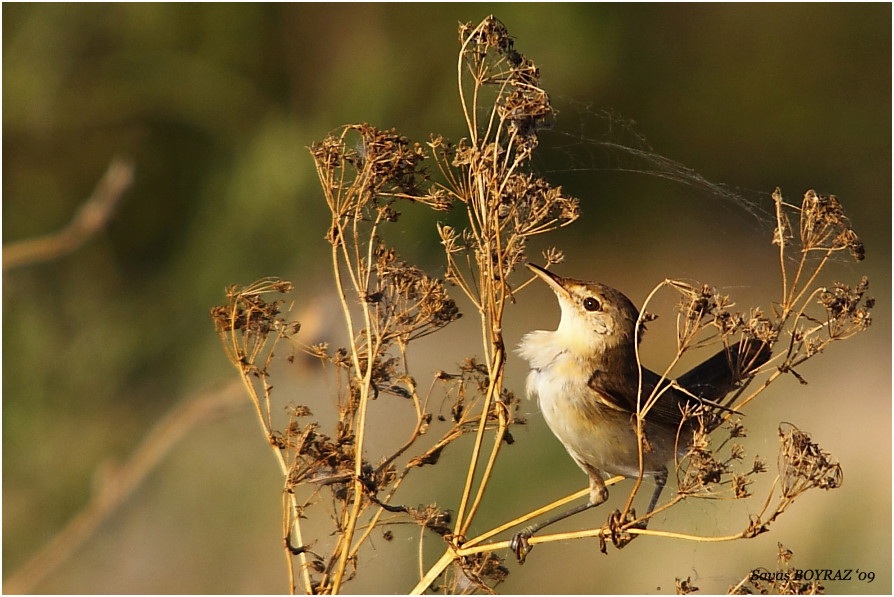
[{"x": 519, "y": 544}]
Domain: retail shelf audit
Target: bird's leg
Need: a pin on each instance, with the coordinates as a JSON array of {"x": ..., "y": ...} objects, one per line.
[
  {"x": 660, "y": 481},
  {"x": 598, "y": 494},
  {"x": 616, "y": 523}
]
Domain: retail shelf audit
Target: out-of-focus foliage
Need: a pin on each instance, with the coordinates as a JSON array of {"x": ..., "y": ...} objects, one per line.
[{"x": 216, "y": 104}]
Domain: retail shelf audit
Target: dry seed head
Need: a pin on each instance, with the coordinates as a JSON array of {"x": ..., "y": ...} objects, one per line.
[
  {"x": 389, "y": 161},
  {"x": 736, "y": 429},
  {"x": 824, "y": 226},
  {"x": 803, "y": 464},
  {"x": 847, "y": 309},
  {"x": 760, "y": 327},
  {"x": 248, "y": 315},
  {"x": 758, "y": 466},
  {"x": 685, "y": 587},
  {"x": 784, "y": 556},
  {"x": 478, "y": 572},
  {"x": 740, "y": 485},
  {"x": 553, "y": 256},
  {"x": 410, "y": 303}
]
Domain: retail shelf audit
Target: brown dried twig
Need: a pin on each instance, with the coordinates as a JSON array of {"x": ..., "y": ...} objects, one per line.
[{"x": 90, "y": 218}]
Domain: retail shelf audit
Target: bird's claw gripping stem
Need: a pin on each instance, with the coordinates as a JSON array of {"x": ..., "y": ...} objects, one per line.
[{"x": 519, "y": 544}]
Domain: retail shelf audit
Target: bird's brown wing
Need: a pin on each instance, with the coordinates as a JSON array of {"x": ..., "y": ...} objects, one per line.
[
  {"x": 705, "y": 385},
  {"x": 722, "y": 373}
]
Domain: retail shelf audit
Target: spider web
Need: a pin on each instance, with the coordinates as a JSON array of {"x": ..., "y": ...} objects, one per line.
[{"x": 604, "y": 141}]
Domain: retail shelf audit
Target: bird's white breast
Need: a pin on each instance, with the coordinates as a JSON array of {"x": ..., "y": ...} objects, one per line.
[{"x": 593, "y": 433}]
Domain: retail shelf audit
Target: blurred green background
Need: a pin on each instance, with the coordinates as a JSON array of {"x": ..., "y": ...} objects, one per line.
[{"x": 215, "y": 104}]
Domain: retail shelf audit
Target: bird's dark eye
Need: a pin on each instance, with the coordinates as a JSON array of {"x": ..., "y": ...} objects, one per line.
[{"x": 591, "y": 304}]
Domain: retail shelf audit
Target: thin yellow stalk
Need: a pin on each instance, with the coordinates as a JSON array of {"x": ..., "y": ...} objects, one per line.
[
  {"x": 780, "y": 218},
  {"x": 359, "y": 437},
  {"x": 533, "y": 514},
  {"x": 345, "y": 538},
  {"x": 472, "y": 126},
  {"x": 434, "y": 572},
  {"x": 371, "y": 526},
  {"x": 809, "y": 282},
  {"x": 496, "y": 382},
  {"x": 498, "y": 441},
  {"x": 473, "y": 461},
  {"x": 284, "y": 468},
  {"x": 640, "y": 415}
]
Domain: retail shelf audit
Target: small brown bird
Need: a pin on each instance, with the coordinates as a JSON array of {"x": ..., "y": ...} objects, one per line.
[{"x": 586, "y": 379}]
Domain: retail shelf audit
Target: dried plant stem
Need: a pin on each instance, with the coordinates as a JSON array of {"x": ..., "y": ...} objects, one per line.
[
  {"x": 374, "y": 521},
  {"x": 641, "y": 409},
  {"x": 245, "y": 346},
  {"x": 534, "y": 513},
  {"x": 757, "y": 391},
  {"x": 502, "y": 425},
  {"x": 436, "y": 570},
  {"x": 789, "y": 305},
  {"x": 472, "y": 546},
  {"x": 780, "y": 240},
  {"x": 347, "y": 535},
  {"x": 461, "y": 518},
  {"x": 665, "y": 534},
  {"x": 597, "y": 532},
  {"x": 493, "y": 347},
  {"x": 292, "y": 523},
  {"x": 503, "y": 207}
]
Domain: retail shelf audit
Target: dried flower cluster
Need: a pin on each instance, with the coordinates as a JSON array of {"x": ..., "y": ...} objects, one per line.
[
  {"x": 704, "y": 309},
  {"x": 703, "y": 473},
  {"x": 824, "y": 227},
  {"x": 246, "y": 325},
  {"x": 485, "y": 173},
  {"x": 804, "y": 465},
  {"x": 520, "y": 105}
]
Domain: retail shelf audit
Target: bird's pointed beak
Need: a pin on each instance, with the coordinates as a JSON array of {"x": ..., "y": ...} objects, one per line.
[{"x": 554, "y": 281}]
